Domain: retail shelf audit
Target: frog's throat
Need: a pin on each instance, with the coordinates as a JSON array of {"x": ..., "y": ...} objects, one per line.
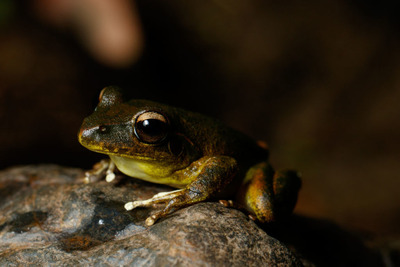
[{"x": 148, "y": 170}]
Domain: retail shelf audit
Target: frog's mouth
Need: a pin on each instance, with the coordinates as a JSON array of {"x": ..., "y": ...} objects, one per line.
[
  {"x": 101, "y": 147},
  {"x": 90, "y": 139}
]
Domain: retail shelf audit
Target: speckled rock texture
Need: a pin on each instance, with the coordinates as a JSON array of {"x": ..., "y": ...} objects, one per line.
[{"x": 49, "y": 216}]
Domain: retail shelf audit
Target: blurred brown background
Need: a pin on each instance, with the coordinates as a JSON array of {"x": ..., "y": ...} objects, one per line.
[{"x": 319, "y": 81}]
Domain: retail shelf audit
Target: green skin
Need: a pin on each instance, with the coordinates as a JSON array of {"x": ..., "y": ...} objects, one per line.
[{"x": 199, "y": 155}]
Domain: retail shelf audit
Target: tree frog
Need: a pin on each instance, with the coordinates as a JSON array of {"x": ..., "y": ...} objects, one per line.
[{"x": 197, "y": 155}]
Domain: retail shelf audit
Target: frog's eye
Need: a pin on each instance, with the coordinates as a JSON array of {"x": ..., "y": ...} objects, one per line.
[{"x": 151, "y": 127}]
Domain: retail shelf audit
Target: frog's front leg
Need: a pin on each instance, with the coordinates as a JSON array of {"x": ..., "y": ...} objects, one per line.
[
  {"x": 102, "y": 168},
  {"x": 209, "y": 175},
  {"x": 157, "y": 198},
  {"x": 269, "y": 195}
]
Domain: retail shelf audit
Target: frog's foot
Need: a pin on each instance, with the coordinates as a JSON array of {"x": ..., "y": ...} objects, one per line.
[
  {"x": 234, "y": 205},
  {"x": 179, "y": 199},
  {"x": 161, "y": 197},
  {"x": 227, "y": 203},
  {"x": 174, "y": 199},
  {"x": 102, "y": 168}
]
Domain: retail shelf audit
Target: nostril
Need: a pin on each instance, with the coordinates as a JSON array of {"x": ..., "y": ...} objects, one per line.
[{"x": 102, "y": 129}]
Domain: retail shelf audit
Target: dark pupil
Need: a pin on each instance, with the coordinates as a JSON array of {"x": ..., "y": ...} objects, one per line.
[{"x": 151, "y": 130}]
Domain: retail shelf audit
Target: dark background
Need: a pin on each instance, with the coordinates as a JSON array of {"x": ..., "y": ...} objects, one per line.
[{"x": 319, "y": 81}]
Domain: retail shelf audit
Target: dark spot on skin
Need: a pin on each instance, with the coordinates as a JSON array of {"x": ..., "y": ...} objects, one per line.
[
  {"x": 25, "y": 221},
  {"x": 109, "y": 218}
]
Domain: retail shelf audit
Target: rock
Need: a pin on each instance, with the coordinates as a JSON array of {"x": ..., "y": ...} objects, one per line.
[{"x": 48, "y": 216}]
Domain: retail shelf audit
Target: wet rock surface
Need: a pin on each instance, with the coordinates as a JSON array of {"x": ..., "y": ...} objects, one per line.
[{"x": 49, "y": 216}]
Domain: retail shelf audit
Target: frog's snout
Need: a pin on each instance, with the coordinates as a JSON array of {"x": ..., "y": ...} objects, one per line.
[{"x": 81, "y": 135}]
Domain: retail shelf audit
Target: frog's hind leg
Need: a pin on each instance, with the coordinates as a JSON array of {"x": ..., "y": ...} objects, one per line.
[
  {"x": 287, "y": 184},
  {"x": 269, "y": 195}
]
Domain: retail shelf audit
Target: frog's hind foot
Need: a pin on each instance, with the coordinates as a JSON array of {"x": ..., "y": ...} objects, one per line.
[
  {"x": 235, "y": 205},
  {"x": 227, "y": 203}
]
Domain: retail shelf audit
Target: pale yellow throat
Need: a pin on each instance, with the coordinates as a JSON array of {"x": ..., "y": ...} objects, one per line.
[{"x": 147, "y": 170}]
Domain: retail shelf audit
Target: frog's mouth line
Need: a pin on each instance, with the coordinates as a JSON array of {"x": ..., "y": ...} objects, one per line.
[
  {"x": 122, "y": 153},
  {"x": 116, "y": 152}
]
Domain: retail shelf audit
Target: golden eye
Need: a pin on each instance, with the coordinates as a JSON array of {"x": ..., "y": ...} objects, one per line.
[{"x": 151, "y": 127}]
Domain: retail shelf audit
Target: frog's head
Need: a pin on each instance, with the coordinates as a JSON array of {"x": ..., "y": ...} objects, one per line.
[{"x": 140, "y": 131}]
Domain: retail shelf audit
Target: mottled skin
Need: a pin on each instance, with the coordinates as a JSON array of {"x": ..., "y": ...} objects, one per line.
[{"x": 197, "y": 154}]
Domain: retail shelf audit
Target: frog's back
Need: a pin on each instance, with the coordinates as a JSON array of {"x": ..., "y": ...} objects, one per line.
[{"x": 212, "y": 137}]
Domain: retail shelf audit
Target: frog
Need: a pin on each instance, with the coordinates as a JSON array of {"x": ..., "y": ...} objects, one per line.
[{"x": 200, "y": 157}]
